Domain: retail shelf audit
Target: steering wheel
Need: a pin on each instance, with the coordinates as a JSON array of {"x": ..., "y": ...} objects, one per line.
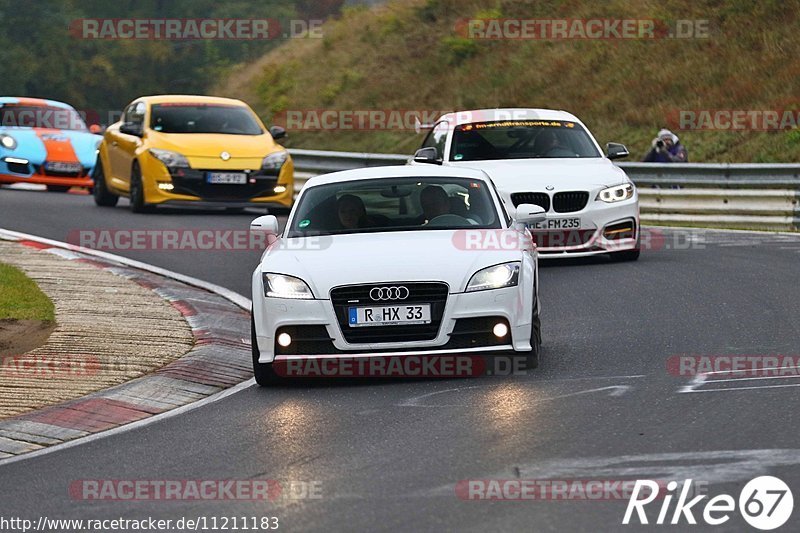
[{"x": 448, "y": 219}]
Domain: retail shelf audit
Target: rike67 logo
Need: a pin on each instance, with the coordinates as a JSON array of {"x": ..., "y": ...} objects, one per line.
[{"x": 765, "y": 503}]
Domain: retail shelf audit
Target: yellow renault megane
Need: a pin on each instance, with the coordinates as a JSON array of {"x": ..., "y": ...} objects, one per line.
[{"x": 192, "y": 150}]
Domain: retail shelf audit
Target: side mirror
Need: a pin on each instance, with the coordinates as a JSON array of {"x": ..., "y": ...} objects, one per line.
[
  {"x": 529, "y": 214},
  {"x": 131, "y": 128},
  {"x": 616, "y": 151},
  {"x": 267, "y": 223},
  {"x": 277, "y": 132},
  {"x": 428, "y": 155}
]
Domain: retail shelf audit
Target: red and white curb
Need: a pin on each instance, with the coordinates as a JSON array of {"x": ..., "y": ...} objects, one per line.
[{"x": 218, "y": 365}]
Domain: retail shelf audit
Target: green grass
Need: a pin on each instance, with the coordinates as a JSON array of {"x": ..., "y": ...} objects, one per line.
[
  {"x": 21, "y": 299},
  {"x": 408, "y": 55}
]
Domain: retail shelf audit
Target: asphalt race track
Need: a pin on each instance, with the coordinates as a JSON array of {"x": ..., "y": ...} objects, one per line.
[{"x": 388, "y": 454}]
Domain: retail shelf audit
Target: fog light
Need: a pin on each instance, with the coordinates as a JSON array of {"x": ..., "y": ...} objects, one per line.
[
  {"x": 500, "y": 330},
  {"x": 284, "y": 339},
  {"x": 165, "y": 186},
  {"x": 279, "y": 189},
  {"x": 16, "y": 160}
]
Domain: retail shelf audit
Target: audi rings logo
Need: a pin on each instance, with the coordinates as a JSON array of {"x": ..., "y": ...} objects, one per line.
[{"x": 389, "y": 293}]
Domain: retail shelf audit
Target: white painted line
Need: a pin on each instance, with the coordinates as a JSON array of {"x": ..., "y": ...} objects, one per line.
[
  {"x": 712, "y": 372},
  {"x": 751, "y": 379},
  {"x": 133, "y": 425},
  {"x": 616, "y": 390},
  {"x": 697, "y": 381},
  {"x": 702, "y": 379},
  {"x": 745, "y": 388}
]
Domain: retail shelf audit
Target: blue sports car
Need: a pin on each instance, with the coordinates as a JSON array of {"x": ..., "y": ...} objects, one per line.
[{"x": 45, "y": 142}]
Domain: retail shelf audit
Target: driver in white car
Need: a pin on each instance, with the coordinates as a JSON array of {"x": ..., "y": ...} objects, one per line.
[{"x": 435, "y": 202}]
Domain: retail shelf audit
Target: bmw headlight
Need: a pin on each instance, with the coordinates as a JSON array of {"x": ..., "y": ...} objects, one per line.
[
  {"x": 8, "y": 142},
  {"x": 170, "y": 159},
  {"x": 495, "y": 277},
  {"x": 616, "y": 194},
  {"x": 282, "y": 286},
  {"x": 275, "y": 161}
]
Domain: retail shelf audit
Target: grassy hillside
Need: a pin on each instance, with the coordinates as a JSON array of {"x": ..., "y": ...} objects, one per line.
[
  {"x": 42, "y": 57},
  {"x": 407, "y": 54}
]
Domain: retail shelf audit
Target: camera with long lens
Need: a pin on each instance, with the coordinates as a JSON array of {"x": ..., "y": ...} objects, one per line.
[{"x": 659, "y": 144}]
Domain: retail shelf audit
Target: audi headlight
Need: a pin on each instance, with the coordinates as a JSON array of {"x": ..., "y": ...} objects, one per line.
[
  {"x": 170, "y": 159},
  {"x": 274, "y": 161},
  {"x": 495, "y": 277},
  {"x": 282, "y": 286},
  {"x": 616, "y": 194},
  {"x": 8, "y": 142}
]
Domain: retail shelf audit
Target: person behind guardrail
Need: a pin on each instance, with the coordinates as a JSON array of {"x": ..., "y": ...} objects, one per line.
[{"x": 666, "y": 148}]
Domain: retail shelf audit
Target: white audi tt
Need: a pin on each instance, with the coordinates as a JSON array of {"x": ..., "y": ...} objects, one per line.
[
  {"x": 394, "y": 261},
  {"x": 547, "y": 158}
]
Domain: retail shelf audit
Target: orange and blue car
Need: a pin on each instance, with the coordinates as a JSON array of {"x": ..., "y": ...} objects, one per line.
[{"x": 45, "y": 142}]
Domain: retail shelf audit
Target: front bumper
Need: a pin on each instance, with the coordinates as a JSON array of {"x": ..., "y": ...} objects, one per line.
[
  {"x": 598, "y": 233},
  {"x": 35, "y": 173},
  {"x": 271, "y": 314},
  {"x": 188, "y": 187}
]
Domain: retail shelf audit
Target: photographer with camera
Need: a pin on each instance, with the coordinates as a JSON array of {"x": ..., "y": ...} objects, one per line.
[{"x": 666, "y": 148}]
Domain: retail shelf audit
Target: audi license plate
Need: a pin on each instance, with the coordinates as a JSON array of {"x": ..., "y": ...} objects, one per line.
[
  {"x": 227, "y": 178},
  {"x": 390, "y": 315}
]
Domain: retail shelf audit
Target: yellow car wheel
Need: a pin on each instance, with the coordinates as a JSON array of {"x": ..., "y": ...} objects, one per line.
[{"x": 137, "y": 199}]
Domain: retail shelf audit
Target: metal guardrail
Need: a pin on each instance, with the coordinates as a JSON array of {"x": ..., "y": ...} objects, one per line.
[{"x": 730, "y": 195}]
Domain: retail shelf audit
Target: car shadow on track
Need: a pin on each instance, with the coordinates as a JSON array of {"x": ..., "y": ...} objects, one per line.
[
  {"x": 574, "y": 261},
  {"x": 484, "y": 369}
]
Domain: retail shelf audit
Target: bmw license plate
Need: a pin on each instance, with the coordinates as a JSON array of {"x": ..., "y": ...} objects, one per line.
[
  {"x": 559, "y": 223},
  {"x": 391, "y": 315},
  {"x": 227, "y": 178}
]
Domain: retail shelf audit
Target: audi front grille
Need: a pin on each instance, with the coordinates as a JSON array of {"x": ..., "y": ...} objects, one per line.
[{"x": 433, "y": 293}]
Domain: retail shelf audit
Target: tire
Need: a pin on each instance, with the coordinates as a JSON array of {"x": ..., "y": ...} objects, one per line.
[
  {"x": 264, "y": 372},
  {"x": 137, "y": 199},
  {"x": 532, "y": 357},
  {"x": 58, "y": 188},
  {"x": 102, "y": 197}
]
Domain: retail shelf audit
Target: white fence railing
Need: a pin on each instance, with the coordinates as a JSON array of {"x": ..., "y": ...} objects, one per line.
[{"x": 733, "y": 195}]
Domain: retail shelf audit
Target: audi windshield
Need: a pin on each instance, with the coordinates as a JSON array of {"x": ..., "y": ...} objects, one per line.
[
  {"x": 521, "y": 139},
  {"x": 397, "y": 204}
]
